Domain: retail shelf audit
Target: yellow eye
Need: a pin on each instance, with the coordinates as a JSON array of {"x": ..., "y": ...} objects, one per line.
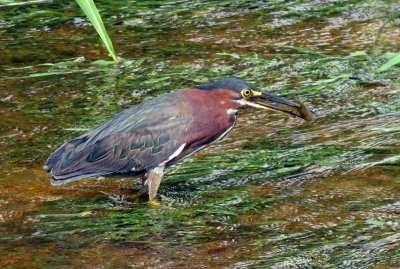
[{"x": 246, "y": 93}]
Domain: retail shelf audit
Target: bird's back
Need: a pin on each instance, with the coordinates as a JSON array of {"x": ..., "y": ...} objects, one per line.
[{"x": 130, "y": 142}]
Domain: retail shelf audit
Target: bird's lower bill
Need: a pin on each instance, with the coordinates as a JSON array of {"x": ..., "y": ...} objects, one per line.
[{"x": 269, "y": 101}]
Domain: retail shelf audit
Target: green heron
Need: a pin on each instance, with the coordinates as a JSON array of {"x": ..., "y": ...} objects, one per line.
[{"x": 146, "y": 138}]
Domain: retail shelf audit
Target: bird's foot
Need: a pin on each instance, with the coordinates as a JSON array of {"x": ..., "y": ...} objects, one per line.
[{"x": 153, "y": 203}]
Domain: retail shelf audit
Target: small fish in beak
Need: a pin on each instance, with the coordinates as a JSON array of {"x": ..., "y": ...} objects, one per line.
[{"x": 268, "y": 101}]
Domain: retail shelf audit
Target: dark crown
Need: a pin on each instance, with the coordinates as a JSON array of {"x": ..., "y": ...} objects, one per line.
[{"x": 232, "y": 84}]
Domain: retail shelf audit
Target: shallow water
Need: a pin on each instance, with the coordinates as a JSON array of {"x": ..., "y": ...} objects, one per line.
[{"x": 277, "y": 192}]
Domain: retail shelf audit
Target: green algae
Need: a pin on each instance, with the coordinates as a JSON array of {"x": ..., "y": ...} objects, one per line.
[{"x": 275, "y": 193}]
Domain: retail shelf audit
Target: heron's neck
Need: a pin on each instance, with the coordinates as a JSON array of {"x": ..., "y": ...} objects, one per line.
[{"x": 214, "y": 108}]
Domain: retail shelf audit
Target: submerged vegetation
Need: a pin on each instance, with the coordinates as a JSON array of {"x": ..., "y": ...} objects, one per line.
[
  {"x": 396, "y": 58},
  {"x": 275, "y": 193}
]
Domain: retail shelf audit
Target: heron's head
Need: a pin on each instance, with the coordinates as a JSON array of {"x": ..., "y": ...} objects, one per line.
[{"x": 246, "y": 95}]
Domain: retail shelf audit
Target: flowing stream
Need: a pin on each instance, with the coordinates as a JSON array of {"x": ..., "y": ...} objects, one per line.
[{"x": 277, "y": 192}]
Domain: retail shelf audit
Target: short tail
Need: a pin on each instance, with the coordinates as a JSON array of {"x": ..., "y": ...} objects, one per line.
[
  {"x": 66, "y": 164},
  {"x": 60, "y": 180}
]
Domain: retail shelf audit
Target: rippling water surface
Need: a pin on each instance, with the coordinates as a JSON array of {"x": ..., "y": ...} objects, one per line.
[{"x": 277, "y": 192}]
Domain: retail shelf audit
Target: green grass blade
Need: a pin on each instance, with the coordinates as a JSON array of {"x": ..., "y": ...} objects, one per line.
[
  {"x": 383, "y": 26},
  {"x": 93, "y": 15},
  {"x": 395, "y": 60}
]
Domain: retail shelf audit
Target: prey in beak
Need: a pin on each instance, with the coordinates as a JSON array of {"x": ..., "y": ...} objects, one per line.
[{"x": 263, "y": 100}]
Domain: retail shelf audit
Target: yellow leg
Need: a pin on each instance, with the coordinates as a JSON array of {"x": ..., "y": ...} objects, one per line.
[{"x": 151, "y": 182}]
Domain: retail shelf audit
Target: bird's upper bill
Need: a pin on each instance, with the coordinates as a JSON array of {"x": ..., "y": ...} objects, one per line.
[{"x": 259, "y": 99}]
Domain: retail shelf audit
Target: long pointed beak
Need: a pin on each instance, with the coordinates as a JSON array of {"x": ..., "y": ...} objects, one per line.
[{"x": 269, "y": 101}]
